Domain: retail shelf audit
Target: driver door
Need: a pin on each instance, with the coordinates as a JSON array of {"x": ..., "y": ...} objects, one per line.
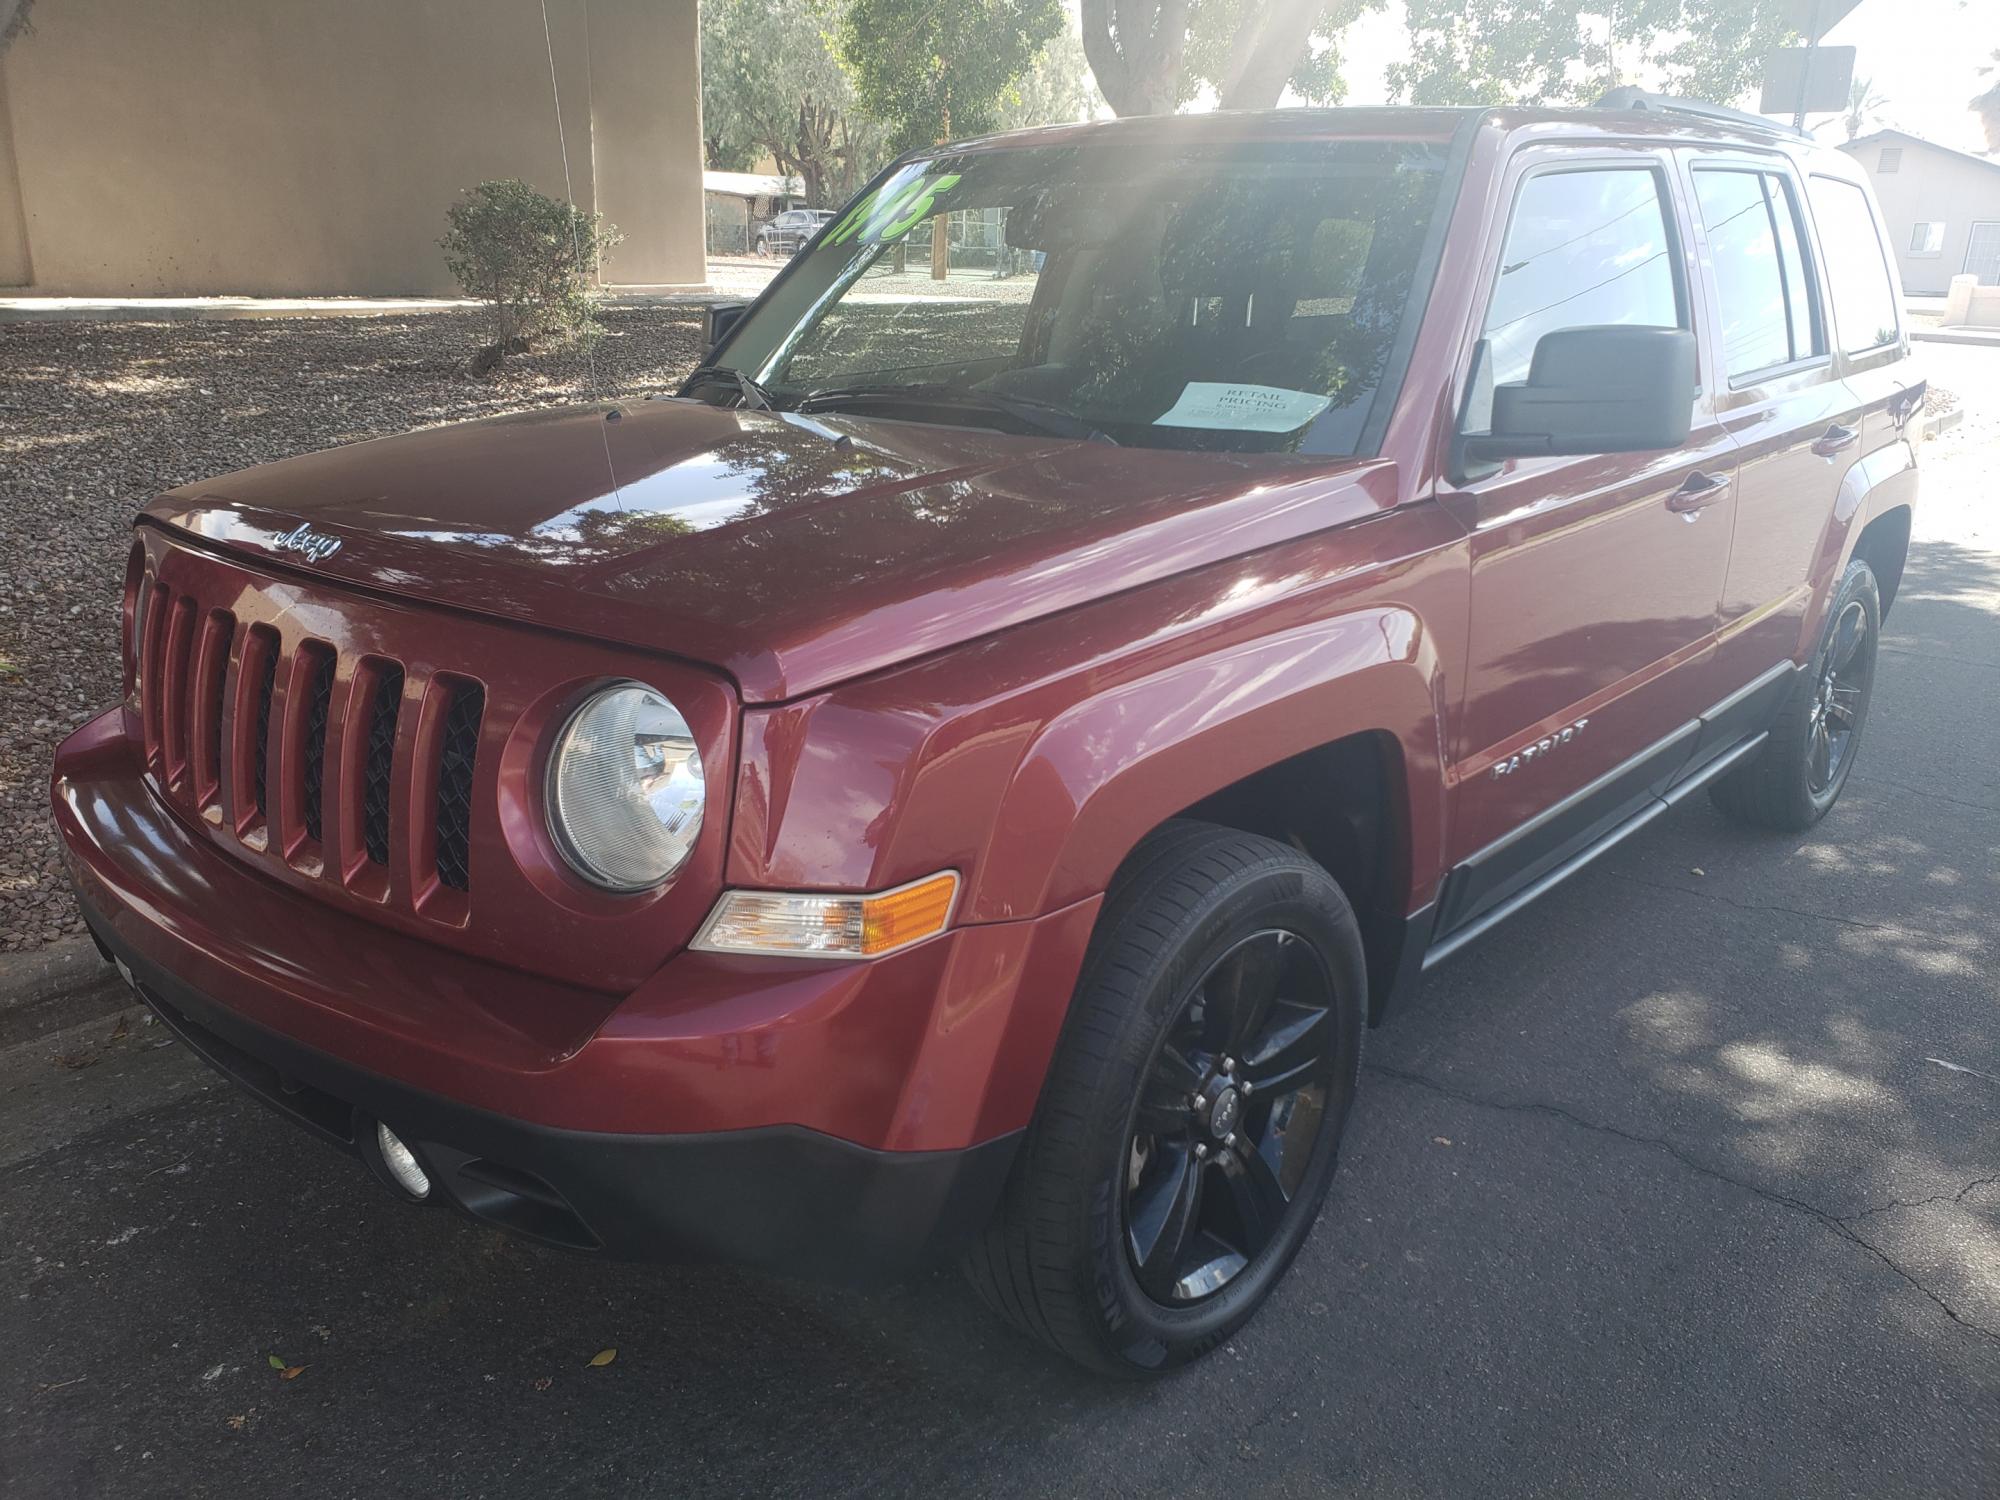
[{"x": 1596, "y": 582}]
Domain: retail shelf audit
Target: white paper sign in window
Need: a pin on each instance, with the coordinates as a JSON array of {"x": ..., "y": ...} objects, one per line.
[{"x": 1242, "y": 408}]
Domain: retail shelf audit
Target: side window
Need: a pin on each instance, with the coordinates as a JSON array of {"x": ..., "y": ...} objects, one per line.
[
  {"x": 1763, "y": 298},
  {"x": 1864, "y": 295},
  {"x": 1585, "y": 247}
]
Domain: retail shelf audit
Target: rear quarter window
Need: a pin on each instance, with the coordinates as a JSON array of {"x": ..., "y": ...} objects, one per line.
[{"x": 1865, "y": 304}]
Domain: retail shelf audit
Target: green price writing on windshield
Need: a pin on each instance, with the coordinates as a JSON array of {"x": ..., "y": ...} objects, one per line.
[{"x": 885, "y": 216}]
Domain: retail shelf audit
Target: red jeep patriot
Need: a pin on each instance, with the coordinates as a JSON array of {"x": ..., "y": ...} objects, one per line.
[{"x": 957, "y": 780}]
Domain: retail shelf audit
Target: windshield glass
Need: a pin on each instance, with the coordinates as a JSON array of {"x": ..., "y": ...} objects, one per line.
[{"x": 1241, "y": 298}]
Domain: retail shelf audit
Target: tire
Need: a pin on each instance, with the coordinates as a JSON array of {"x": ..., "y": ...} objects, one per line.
[
  {"x": 1787, "y": 786},
  {"x": 1202, "y": 921}
]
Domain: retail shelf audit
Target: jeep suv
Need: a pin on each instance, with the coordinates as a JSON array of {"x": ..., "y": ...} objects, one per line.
[{"x": 957, "y": 779}]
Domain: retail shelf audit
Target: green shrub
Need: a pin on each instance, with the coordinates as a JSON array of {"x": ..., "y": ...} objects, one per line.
[{"x": 530, "y": 259}]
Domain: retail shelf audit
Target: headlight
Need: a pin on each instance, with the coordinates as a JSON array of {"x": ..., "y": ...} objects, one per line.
[{"x": 625, "y": 789}]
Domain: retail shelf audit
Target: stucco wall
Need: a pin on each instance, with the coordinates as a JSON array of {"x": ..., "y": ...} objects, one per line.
[
  {"x": 297, "y": 146},
  {"x": 1930, "y": 187}
]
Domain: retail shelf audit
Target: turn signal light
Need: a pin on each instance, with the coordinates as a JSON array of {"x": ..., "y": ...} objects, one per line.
[{"x": 811, "y": 924}]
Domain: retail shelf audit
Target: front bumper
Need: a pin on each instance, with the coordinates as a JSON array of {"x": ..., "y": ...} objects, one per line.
[
  {"x": 782, "y": 1197},
  {"x": 848, "y": 1120}
]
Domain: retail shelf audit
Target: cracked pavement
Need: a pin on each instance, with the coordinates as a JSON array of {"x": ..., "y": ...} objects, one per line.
[{"x": 1687, "y": 1182}]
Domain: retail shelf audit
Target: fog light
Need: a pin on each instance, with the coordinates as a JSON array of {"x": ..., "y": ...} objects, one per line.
[{"x": 402, "y": 1163}]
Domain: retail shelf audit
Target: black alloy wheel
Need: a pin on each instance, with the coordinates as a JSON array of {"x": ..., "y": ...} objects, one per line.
[
  {"x": 1794, "y": 780},
  {"x": 1190, "y": 1120},
  {"x": 1229, "y": 1116},
  {"x": 1840, "y": 697}
]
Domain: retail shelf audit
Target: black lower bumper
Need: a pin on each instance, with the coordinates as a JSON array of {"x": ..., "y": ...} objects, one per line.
[{"x": 785, "y": 1198}]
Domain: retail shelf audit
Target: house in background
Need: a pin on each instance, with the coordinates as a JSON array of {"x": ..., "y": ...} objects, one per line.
[
  {"x": 295, "y": 147},
  {"x": 739, "y": 201},
  {"x": 1942, "y": 207}
]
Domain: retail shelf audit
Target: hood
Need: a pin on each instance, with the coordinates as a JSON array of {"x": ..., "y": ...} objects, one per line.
[{"x": 790, "y": 552}]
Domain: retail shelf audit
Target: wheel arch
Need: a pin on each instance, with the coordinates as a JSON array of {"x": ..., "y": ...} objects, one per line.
[
  {"x": 1327, "y": 738},
  {"x": 1345, "y": 806},
  {"x": 1884, "y": 544},
  {"x": 1866, "y": 512}
]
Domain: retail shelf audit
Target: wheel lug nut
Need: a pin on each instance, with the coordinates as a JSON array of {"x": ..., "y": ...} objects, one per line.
[
  {"x": 1230, "y": 1140},
  {"x": 1245, "y": 1087},
  {"x": 1201, "y": 1150},
  {"x": 1229, "y": 1065}
]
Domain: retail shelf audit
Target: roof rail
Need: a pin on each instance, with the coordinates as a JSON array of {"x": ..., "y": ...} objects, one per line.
[{"x": 1638, "y": 99}]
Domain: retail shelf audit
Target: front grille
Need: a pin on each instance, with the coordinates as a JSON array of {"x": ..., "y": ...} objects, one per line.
[
  {"x": 319, "y": 704},
  {"x": 281, "y": 743},
  {"x": 267, "y": 686},
  {"x": 380, "y": 759},
  {"x": 454, "y": 785}
]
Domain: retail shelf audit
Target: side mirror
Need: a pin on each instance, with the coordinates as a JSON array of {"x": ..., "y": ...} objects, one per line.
[
  {"x": 717, "y": 318},
  {"x": 1607, "y": 389}
]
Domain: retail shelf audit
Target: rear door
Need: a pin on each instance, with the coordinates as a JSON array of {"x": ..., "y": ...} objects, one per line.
[
  {"x": 1778, "y": 394},
  {"x": 1596, "y": 581}
]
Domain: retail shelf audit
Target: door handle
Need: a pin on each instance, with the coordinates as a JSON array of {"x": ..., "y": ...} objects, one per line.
[
  {"x": 1697, "y": 492},
  {"x": 1834, "y": 439}
]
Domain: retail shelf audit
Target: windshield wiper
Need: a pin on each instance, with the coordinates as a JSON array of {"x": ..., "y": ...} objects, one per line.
[
  {"x": 748, "y": 392},
  {"x": 1036, "y": 415}
]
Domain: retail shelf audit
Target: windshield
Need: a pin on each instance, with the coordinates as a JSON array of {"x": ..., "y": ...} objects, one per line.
[{"x": 1241, "y": 298}]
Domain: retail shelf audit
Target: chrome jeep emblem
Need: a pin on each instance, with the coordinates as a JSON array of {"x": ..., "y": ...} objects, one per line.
[
  {"x": 313, "y": 546},
  {"x": 1537, "y": 750}
]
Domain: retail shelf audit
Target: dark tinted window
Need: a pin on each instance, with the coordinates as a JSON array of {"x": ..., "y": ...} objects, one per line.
[
  {"x": 1864, "y": 296},
  {"x": 1764, "y": 301},
  {"x": 1246, "y": 298},
  {"x": 1584, "y": 248}
]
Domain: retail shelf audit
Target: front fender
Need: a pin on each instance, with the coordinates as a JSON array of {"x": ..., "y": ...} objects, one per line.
[
  {"x": 1033, "y": 761},
  {"x": 1103, "y": 774}
]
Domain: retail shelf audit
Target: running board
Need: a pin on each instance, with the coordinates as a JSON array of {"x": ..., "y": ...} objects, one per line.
[{"x": 1487, "y": 921}]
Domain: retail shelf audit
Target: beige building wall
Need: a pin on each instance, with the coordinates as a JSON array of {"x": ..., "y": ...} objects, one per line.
[
  {"x": 287, "y": 147},
  {"x": 16, "y": 269},
  {"x": 1930, "y": 185}
]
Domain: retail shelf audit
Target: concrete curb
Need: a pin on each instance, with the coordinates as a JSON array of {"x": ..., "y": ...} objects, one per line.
[
  {"x": 1942, "y": 421},
  {"x": 228, "y": 309},
  {"x": 1987, "y": 336},
  {"x": 54, "y": 988}
]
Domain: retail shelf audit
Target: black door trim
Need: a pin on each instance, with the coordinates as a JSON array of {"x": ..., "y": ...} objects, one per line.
[
  {"x": 1524, "y": 854},
  {"x": 1492, "y": 918},
  {"x": 1491, "y": 885}
]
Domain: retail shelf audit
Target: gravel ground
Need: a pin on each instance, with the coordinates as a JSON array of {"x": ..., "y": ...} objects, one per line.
[{"x": 96, "y": 418}]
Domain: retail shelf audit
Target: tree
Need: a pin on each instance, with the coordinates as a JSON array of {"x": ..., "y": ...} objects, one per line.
[
  {"x": 13, "y": 20},
  {"x": 930, "y": 70},
  {"x": 770, "y": 83},
  {"x": 1153, "y": 55},
  {"x": 1987, "y": 105},
  {"x": 1862, "y": 102},
  {"x": 1528, "y": 52},
  {"x": 1056, "y": 90}
]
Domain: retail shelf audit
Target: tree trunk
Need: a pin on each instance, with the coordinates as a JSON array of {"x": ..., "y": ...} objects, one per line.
[
  {"x": 1266, "y": 51},
  {"x": 1134, "y": 48}
]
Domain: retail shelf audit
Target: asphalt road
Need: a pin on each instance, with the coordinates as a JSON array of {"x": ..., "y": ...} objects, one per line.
[{"x": 1688, "y": 1183}]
